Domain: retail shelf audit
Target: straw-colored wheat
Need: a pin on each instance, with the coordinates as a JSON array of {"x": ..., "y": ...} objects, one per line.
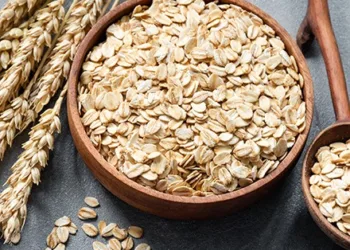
[
  {"x": 26, "y": 171},
  {"x": 15, "y": 11},
  {"x": 24, "y": 109},
  {"x": 30, "y": 51},
  {"x": 57, "y": 69},
  {"x": 9, "y": 43},
  {"x": 11, "y": 118}
]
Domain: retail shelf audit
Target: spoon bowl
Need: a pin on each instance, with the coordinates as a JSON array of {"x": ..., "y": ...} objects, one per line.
[
  {"x": 338, "y": 132},
  {"x": 317, "y": 24}
]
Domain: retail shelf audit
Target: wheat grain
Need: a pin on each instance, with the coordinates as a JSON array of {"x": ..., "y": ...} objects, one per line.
[
  {"x": 10, "y": 41},
  {"x": 9, "y": 44},
  {"x": 15, "y": 11},
  {"x": 31, "y": 50}
]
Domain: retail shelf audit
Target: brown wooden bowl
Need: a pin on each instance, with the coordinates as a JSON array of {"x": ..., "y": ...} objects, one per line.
[
  {"x": 338, "y": 132},
  {"x": 167, "y": 205}
]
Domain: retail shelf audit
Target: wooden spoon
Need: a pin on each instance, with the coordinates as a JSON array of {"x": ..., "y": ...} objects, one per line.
[{"x": 317, "y": 24}]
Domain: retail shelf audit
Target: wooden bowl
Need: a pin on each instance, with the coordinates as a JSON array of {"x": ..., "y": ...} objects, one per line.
[
  {"x": 338, "y": 132},
  {"x": 166, "y": 205}
]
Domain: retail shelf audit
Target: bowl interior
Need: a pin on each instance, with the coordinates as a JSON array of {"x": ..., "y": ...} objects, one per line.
[
  {"x": 339, "y": 132},
  {"x": 95, "y": 36}
]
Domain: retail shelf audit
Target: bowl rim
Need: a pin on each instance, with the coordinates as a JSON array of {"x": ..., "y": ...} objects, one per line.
[
  {"x": 328, "y": 228},
  {"x": 75, "y": 122}
]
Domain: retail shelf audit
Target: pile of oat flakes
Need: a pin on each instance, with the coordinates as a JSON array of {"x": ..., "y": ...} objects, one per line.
[
  {"x": 329, "y": 183},
  {"x": 192, "y": 99}
]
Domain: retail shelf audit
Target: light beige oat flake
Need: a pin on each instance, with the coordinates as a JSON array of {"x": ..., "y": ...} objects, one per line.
[
  {"x": 86, "y": 213},
  {"x": 63, "y": 234},
  {"x": 60, "y": 247},
  {"x": 64, "y": 221},
  {"x": 136, "y": 232},
  {"x": 128, "y": 243},
  {"x": 91, "y": 202},
  {"x": 119, "y": 233},
  {"x": 108, "y": 230},
  {"x": 142, "y": 246},
  {"x": 114, "y": 244},
  {"x": 101, "y": 225},
  {"x": 97, "y": 245},
  {"x": 90, "y": 230}
]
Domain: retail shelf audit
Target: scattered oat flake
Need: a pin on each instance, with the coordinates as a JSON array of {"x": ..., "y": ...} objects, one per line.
[
  {"x": 97, "y": 245},
  {"x": 86, "y": 213},
  {"x": 90, "y": 230},
  {"x": 114, "y": 244},
  {"x": 64, "y": 221},
  {"x": 128, "y": 243},
  {"x": 136, "y": 232},
  {"x": 62, "y": 234},
  {"x": 91, "y": 202},
  {"x": 142, "y": 246}
]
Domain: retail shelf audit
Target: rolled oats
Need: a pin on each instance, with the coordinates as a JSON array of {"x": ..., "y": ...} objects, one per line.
[
  {"x": 60, "y": 233},
  {"x": 91, "y": 202},
  {"x": 86, "y": 213},
  {"x": 192, "y": 99},
  {"x": 329, "y": 183},
  {"x": 90, "y": 230}
]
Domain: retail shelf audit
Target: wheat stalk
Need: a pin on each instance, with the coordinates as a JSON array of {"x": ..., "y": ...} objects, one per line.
[
  {"x": 15, "y": 11},
  {"x": 30, "y": 50},
  {"x": 26, "y": 171},
  {"x": 11, "y": 117},
  {"x": 116, "y": 2},
  {"x": 24, "y": 109},
  {"x": 57, "y": 69}
]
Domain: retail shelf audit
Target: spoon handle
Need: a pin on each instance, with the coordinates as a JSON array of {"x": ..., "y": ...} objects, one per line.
[{"x": 317, "y": 24}]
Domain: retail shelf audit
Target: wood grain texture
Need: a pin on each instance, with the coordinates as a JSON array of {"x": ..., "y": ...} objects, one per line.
[
  {"x": 317, "y": 24},
  {"x": 167, "y": 205}
]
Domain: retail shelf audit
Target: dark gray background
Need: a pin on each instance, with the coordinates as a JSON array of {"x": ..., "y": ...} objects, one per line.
[{"x": 281, "y": 221}]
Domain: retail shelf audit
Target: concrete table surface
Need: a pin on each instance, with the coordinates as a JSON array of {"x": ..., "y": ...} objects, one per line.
[{"x": 281, "y": 221}]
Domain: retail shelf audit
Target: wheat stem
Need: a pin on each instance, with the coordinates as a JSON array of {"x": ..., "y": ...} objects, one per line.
[{"x": 116, "y": 2}]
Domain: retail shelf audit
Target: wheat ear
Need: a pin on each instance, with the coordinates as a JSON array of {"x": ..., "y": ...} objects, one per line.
[
  {"x": 30, "y": 50},
  {"x": 16, "y": 11},
  {"x": 57, "y": 69},
  {"x": 26, "y": 171},
  {"x": 24, "y": 109},
  {"x": 11, "y": 117}
]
